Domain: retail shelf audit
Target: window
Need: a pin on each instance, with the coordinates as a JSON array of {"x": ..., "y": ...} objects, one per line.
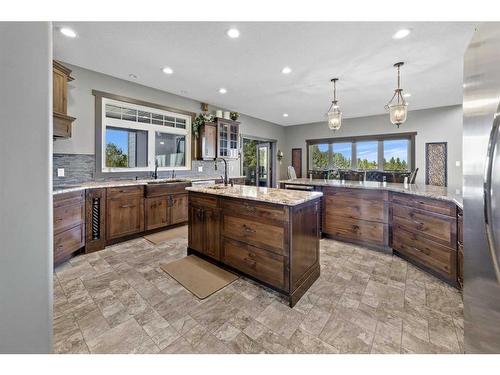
[
  {"x": 320, "y": 159},
  {"x": 396, "y": 155},
  {"x": 341, "y": 155},
  {"x": 136, "y": 137},
  {"x": 389, "y": 152},
  {"x": 367, "y": 155}
]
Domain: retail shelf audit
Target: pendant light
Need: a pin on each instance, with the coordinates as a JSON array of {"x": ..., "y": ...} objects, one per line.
[
  {"x": 334, "y": 113},
  {"x": 397, "y": 106}
]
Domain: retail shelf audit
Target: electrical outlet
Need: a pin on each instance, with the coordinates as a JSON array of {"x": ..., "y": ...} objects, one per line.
[
  {"x": 458, "y": 163},
  {"x": 60, "y": 172},
  {"x": 200, "y": 168}
]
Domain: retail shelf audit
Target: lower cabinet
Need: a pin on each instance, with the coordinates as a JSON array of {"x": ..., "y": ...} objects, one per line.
[
  {"x": 166, "y": 210},
  {"x": 69, "y": 224},
  {"x": 460, "y": 249},
  {"x": 424, "y": 231},
  {"x": 124, "y": 212},
  {"x": 204, "y": 228}
]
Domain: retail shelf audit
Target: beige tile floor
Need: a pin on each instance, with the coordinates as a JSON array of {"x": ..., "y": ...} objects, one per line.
[{"x": 119, "y": 301}]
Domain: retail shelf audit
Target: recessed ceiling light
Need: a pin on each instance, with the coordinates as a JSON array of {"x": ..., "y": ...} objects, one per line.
[
  {"x": 168, "y": 70},
  {"x": 233, "y": 33},
  {"x": 133, "y": 76},
  {"x": 400, "y": 34},
  {"x": 286, "y": 70},
  {"x": 66, "y": 31},
  {"x": 285, "y": 114},
  {"x": 406, "y": 94},
  {"x": 222, "y": 90}
]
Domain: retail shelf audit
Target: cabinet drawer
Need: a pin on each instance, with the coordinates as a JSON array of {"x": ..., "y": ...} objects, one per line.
[
  {"x": 65, "y": 199},
  {"x": 254, "y": 232},
  {"x": 253, "y": 209},
  {"x": 439, "y": 228},
  {"x": 202, "y": 200},
  {"x": 68, "y": 216},
  {"x": 432, "y": 205},
  {"x": 117, "y": 192},
  {"x": 439, "y": 258},
  {"x": 67, "y": 242},
  {"x": 358, "y": 230},
  {"x": 355, "y": 208},
  {"x": 261, "y": 264},
  {"x": 356, "y": 193}
]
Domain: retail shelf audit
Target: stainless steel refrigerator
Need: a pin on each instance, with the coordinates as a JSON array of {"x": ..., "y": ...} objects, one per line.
[{"x": 481, "y": 166}]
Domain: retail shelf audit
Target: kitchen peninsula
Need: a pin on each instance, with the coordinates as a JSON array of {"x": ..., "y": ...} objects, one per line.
[
  {"x": 271, "y": 235},
  {"x": 420, "y": 223}
]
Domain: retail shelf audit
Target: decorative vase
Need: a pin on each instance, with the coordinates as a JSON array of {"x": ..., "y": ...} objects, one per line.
[
  {"x": 227, "y": 115},
  {"x": 218, "y": 113}
]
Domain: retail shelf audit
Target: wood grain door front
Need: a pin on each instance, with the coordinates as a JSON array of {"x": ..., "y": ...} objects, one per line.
[
  {"x": 125, "y": 216},
  {"x": 179, "y": 209},
  {"x": 297, "y": 161}
]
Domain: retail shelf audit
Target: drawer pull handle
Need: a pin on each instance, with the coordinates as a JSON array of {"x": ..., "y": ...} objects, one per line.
[
  {"x": 248, "y": 229},
  {"x": 126, "y": 205},
  {"x": 249, "y": 208}
]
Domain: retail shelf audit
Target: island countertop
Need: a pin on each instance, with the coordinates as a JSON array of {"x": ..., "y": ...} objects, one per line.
[
  {"x": 261, "y": 194},
  {"x": 429, "y": 191}
]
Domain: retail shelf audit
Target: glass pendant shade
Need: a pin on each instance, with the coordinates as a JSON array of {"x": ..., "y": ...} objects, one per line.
[
  {"x": 334, "y": 118},
  {"x": 334, "y": 114},
  {"x": 397, "y": 113},
  {"x": 397, "y": 106}
]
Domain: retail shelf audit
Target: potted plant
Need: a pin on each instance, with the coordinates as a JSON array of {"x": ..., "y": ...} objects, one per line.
[
  {"x": 234, "y": 116},
  {"x": 199, "y": 121}
]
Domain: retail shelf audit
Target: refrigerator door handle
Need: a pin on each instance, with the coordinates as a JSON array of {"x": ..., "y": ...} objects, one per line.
[{"x": 488, "y": 186}]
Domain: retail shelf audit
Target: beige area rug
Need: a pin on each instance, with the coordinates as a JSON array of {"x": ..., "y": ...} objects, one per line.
[
  {"x": 199, "y": 276},
  {"x": 169, "y": 234}
]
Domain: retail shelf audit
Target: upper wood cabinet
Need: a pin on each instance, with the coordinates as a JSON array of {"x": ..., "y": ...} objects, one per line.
[
  {"x": 62, "y": 121},
  {"x": 228, "y": 138},
  {"x": 207, "y": 142}
]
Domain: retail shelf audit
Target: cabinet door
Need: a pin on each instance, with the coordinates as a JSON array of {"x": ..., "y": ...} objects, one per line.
[
  {"x": 125, "y": 216},
  {"x": 212, "y": 228},
  {"x": 209, "y": 142},
  {"x": 179, "y": 208},
  {"x": 223, "y": 148},
  {"x": 234, "y": 136},
  {"x": 157, "y": 212},
  {"x": 196, "y": 228},
  {"x": 59, "y": 90}
]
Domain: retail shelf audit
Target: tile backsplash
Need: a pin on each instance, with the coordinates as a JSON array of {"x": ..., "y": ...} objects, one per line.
[{"x": 79, "y": 168}]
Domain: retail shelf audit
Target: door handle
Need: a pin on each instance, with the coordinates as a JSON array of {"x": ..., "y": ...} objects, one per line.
[{"x": 487, "y": 190}]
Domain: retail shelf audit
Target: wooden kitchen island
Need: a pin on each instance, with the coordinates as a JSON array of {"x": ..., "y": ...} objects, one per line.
[{"x": 270, "y": 235}]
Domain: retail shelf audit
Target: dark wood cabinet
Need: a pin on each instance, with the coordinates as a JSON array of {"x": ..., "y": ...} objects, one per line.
[
  {"x": 62, "y": 122},
  {"x": 157, "y": 211},
  {"x": 356, "y": 215},
  {"x": 207, "y": 142},
  {"x": 204, "y": 226},
  {"x": 95, "y": 216},
  {"x": 179, "y": 210},
  {"x": 275, "y": 244},
  {"x": 424, "y": 231},
  {"x": 124, "y": 212},
  {"x": 69, "y": 224},
  {"x": 228, "y": 138}
]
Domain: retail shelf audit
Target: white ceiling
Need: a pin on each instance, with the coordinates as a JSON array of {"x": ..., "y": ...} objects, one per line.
[{"x": 204, "y": 59}]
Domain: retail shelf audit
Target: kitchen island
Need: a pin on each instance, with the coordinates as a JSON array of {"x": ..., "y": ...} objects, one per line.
[
  {"x": 420, "y": 223},
  {"x": 270, "y": 235}
]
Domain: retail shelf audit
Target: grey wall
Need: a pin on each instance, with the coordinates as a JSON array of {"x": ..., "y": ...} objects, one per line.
[
  {"x": 81, "y": 105},
  {"x": 432, "y": 125},
  {"x": 25, "y": 187}
]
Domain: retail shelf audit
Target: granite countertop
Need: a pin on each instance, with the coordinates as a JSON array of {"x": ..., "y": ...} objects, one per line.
[
  {"x": 117, "y": 183},
  {"x": 429, "y": 191},
  {"x": 261, "y": 194}
]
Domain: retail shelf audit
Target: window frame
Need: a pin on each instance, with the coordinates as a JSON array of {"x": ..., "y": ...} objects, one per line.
[
  {"x": 380, "y": 138},
  {"x": 102, "y": 122}
]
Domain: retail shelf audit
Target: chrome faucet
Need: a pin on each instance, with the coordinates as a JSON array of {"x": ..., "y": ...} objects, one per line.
[
  {"x": 225, "y": 169},
  {"x": 155, "y": 174},
  {"x": 173, "y": 174}
]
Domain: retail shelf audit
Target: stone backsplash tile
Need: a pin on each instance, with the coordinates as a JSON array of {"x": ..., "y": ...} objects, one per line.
[{"x": 79, "y": 168}]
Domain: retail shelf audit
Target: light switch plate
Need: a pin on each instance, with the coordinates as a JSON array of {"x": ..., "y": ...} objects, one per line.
[
  {"x": 60, "y": 172},
  {"x": 200, "y": 168},
  {"x": 458, "y": 163}
]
